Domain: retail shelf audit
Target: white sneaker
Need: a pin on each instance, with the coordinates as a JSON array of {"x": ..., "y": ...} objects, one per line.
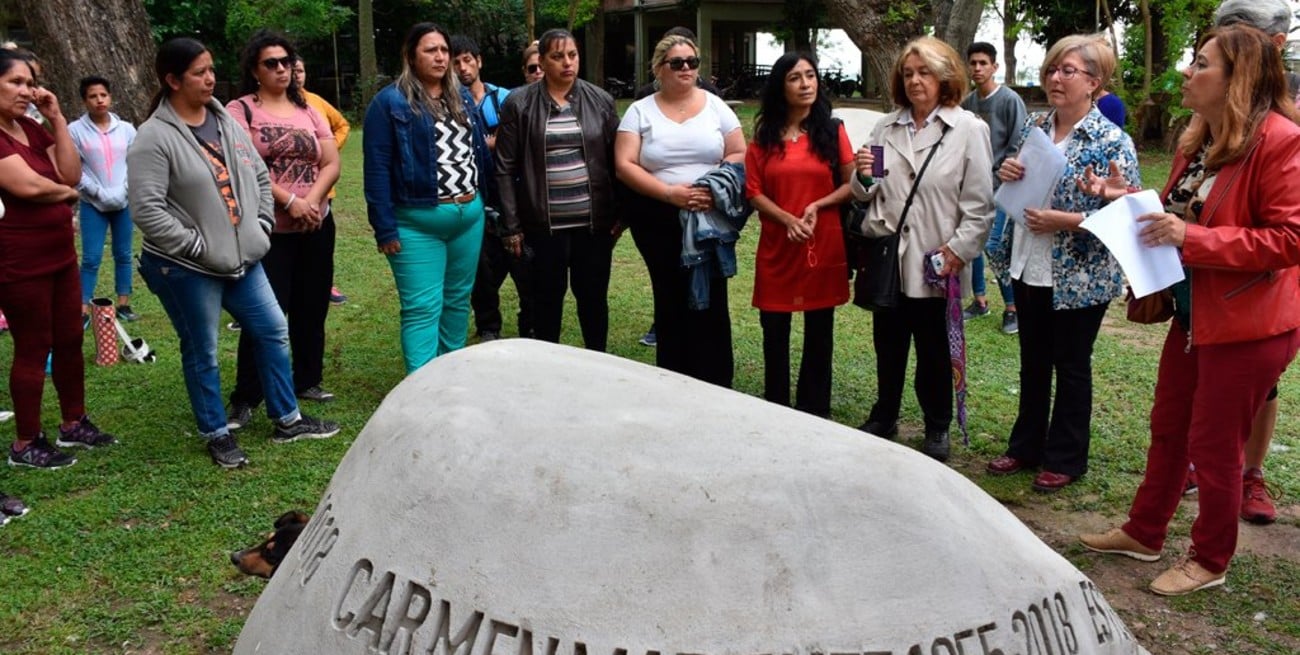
[{"x": 5, "y": 415}]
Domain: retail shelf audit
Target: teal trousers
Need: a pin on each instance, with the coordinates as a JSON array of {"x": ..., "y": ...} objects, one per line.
[{"x": 434, "y": 272}]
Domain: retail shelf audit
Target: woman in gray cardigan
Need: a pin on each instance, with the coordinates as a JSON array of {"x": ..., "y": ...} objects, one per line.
[{"x": 201, "y": 197}]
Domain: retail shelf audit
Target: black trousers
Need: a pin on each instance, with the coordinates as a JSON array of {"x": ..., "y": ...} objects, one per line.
[
  {"x": 921, "y": 321},
  {"x": 300, "y": 268},
  {"x": 1054, "y": 433},
  {"x": 576, "y": 258},
  {"x": 494, "y": 264},
  {"x": 692, "y": 342},
  {"x": 813, "y": 394}
]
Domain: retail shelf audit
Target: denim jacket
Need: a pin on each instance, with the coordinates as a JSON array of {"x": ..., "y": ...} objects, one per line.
[
  {"x": 401, "y": 151},
  {"x": 1084, "y": 273},
  {"x": 709, "y": 238}
]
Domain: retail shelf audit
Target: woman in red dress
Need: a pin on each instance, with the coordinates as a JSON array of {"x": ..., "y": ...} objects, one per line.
[{"x": 791, "y": 180}]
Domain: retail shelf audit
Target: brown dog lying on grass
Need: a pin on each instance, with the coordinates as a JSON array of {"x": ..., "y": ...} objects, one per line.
[{"x": 263, "y": 559}]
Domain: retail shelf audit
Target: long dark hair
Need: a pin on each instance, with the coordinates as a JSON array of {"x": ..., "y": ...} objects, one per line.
[
  {"x": 174, "y": 58},
  {"x": 774, "y": 111},
  {"x": 411, "y": 88},
  {"x": 251, "y": 58}
]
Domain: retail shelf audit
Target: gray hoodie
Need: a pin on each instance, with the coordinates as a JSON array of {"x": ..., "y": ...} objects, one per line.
[{"x": 176, "y": 203}]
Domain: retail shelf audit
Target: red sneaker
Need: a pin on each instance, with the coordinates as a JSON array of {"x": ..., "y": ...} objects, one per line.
[{"x": 1257, "y": 498}]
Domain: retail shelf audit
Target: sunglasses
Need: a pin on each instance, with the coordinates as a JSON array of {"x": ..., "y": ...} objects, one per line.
[
  {"x": 679, "y": 63},
  {"x": 533, "y": 68},
  {"x": 272, "y": 63}
]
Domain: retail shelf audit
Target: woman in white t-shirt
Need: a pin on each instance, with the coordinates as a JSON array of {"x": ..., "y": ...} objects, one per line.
[{"x": 665, "y": 142}]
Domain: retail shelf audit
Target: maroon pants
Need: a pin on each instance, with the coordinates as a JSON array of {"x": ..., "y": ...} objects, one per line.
[
  {"x": 45, "y": 315},
  {"x": 1206, "y": 398}
]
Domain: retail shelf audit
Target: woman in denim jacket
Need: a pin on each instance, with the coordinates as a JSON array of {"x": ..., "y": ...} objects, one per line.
[
  {"x": 425, "y": 176},
  {"x": 1063, "y": 277}
]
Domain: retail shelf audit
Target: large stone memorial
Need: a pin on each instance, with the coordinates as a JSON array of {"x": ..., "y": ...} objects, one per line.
[{"x": 522, "y": 498}]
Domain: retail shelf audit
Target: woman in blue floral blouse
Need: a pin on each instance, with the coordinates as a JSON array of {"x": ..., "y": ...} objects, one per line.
[{"x": 1064, "y": 278}]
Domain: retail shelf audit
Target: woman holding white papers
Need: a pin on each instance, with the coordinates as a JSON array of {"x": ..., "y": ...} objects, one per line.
[
  {"x": 1233, "y": 208},
  {"x": 1063, "y": 277}
]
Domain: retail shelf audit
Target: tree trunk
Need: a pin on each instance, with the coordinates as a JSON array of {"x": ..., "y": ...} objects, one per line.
[
  {"x": 369, "y": 61},
  {"x": 1148, "y": 47},
  {"x": 596, "y": 37},
  {"x": 956, "y": 21},
  {"x": 573, "y": 14},
  {"x": 109, "y": 38},
  {"x": 880, "y": 30},
  {"x": 530, "y": 20},
  {"x": 1010, "y": 36}
]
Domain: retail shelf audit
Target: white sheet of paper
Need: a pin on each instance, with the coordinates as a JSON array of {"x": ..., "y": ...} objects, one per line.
[
  {"x": 1044, "y": 165},
  {"x": 1148, "y": 269}
]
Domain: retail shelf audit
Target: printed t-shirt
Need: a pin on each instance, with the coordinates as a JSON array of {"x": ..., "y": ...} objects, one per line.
[{"x": 290, "y": 146}]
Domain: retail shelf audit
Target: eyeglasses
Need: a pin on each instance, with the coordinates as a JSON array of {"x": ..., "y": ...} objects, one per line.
[
  {"x": 533, "y": 68},
  {"x": 272, "y": 63},
  {"x": 678, "y": 63},
  {"x": 1067, "y": 72}
]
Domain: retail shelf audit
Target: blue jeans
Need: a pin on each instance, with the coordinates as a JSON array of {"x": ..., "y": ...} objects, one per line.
[
  {"x": 977, "y": 283},
  {"x": 434, "y": 273},
  {"x": 94, "y": 228},
  {"x": 193, "y": 301}
]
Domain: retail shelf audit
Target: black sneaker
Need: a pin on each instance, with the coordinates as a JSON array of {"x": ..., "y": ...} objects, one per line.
[
  {"x": 12, "y": 507},
  {"x": 125, "y": 313},
  {"x": 226, "y": 453},
  {"x": 84, "y": 435},
  {"x": 936, "y": 445},
  {"x": 305, "y": 427},
  {"x": 485, "y": 336},
  {"x": 882, "y": 430},
  {"x": 317, "y": 394},
  {"x": 238, "y": 415},
  {"x": 649, "y": 338},
  {"x": 41, "y": 454},
  {"x": 1010, "y": 322},
  {"x": 975, "y": 310}
]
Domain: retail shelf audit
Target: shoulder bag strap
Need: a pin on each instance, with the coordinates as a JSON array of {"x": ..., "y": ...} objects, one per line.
[{"x": 917, "y": 182}]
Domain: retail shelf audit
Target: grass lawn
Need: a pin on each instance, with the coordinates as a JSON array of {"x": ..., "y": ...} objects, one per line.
[{"x": 127, "y": 551}]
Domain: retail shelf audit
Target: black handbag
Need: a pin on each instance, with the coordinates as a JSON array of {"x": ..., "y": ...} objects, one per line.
[
  {"x": 850, "y": 211},
  {"x": 877, "y": 286}
]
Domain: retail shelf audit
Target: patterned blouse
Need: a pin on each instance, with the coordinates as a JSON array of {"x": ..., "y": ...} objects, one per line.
[
  {"x": 1084, "y": 273},
  {"x": 1187, "y": 199}
]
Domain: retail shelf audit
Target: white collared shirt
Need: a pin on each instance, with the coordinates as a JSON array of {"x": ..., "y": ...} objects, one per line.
[{"x": 905, "y": 118}]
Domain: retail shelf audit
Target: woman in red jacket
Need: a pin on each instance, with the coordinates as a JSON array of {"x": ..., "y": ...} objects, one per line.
[{"x": 1233, "y": 208}]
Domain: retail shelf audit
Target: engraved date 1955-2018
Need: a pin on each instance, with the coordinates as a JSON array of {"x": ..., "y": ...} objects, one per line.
[{"x": 1042, "y": 628}]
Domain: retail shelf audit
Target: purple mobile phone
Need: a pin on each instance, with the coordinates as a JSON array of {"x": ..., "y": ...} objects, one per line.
[{"x": 877, "y": 161}]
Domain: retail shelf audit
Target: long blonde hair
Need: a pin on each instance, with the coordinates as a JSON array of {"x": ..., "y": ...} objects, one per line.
[
  {"x": 1257, "y": 85},
  {"x": 412, "y": 88}
]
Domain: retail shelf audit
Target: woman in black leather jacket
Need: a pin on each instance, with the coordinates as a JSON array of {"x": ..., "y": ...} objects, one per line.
[{"x": 555, "y": 177}]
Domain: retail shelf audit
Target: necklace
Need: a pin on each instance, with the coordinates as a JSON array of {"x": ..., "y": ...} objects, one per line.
[{"x": 798, "y": 132}]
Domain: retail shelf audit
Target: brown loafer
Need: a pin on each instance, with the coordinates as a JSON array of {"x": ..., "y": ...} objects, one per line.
[
  {"x": 1049, "y": 483},
  {"x": 1005, "y": 465}
]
